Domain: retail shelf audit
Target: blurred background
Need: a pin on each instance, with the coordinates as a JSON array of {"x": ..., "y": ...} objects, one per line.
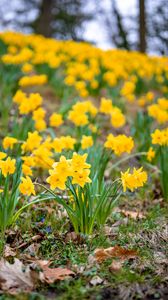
[{"x": 128, "y": 24}]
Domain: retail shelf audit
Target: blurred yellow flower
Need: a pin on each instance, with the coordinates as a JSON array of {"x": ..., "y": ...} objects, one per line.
[
  {"x": 150, "y": 154},
  {"x": 133, "y": 180},
  {"x": 9, "y": 142},
  {"x": 86, "y": 142},
  {"x": 56, "y": 120},
  {"x": 106, "y": 106},
  {"x": 119, "y": 144},
  {"x": 160, "y": 137},
  {"x": 32, "y": 142},
  {"x": 3, "y": 155},
  {"x": 8, "y": 166},
  {"x": 26, "y": 187}
]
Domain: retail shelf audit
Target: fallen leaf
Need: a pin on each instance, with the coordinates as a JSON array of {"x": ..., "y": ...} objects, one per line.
[
  {"x": 117, "y": 251},
  {"x": 8, "y": 251},
  {"x": 132, "y": 214},
  {"x": 96, "y": 280},
  {"x": 15, "y": 278},
  {"x": 50, "y": 275}
]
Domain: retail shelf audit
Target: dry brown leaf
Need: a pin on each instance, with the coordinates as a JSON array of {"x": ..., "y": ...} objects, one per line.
[
  {"x": 50, "y": 275},
  {"x": 15, "y": 278},
  {"x": 133, "y": 214},
  {"x": 117, "y": 251},
  {"x": 8, "y": 251}
]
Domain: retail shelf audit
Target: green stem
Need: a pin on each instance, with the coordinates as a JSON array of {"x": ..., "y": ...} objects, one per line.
[
  {"x": 164, "y": 171},
  {"x": 15, "y": 217}
]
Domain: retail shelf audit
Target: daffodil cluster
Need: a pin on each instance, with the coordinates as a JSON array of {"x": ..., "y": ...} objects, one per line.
[
  {"x": 117, "y": 117},
  {"x": 79, "y": 114},
  {"x": 128, "y": 89},
  {"x": 86, "y": 68},
  {"x": 33, "y": 80},
  {"x": 8, "y": 167},
  {"x": 159, "y": 111},
  {"x": 133, "y": 180},
  {"x": 160, "y": 137},
  {"x": 76, "y": 168},
  {"x": 40, "y": 151},
  {"x": 119, "y": 144},
  {"x": 28, "y": 104}
]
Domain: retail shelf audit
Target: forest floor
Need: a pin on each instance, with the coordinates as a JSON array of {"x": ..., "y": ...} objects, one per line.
[{"x": 143, "y": 275}]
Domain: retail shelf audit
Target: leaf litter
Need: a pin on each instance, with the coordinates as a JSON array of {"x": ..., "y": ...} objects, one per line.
[{"x": 17, "y": 277}]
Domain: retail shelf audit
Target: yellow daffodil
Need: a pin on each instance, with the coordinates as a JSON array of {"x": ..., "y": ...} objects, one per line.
[
  {"x": 9, "y": 142},
  {"x": 56, "y": 120},
  {"x": 160, "y": 137},
  {"x": 32, "y": 142},
  {"x": 133, "y": 180},
  {"x": 119, "y": 144},
  {"x": 79, "y": 162},
  {"x": 56, "y": 181},
  {"x": 150, "y": 154},
  {"x": 26, "y": 187},
  {"x": 8, "y": 166},
  {"x": 3, "y": 155},
  {"x": 81, "y": 177},
  {"x": 106, "y": 106},
  {"x": 86, "y": 142},
  {"x": 26, "y": 170}
]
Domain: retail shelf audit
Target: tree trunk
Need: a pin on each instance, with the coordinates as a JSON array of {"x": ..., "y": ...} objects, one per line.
[
  {"x": 44, "y": 22},
  {"x": 142, "y": 26}
]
